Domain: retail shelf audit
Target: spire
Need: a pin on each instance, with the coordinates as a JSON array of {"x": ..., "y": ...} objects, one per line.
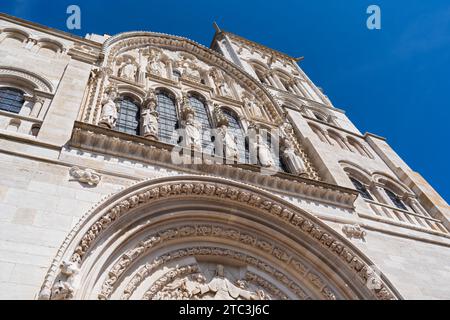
[{"x": 216, "y": 27}]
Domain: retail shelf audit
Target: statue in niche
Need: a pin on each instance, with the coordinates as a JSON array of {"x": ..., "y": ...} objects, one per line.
[
  {"x": 261, "y": 147},
  {"x": 224, "y": 89},
  {"x": 150, "y": 116},
  {"x": 286, "y": 128},
  {"x": 188, "y": 69},
  {"x": 108, "y": 117},
  {"x": 192, "y": 128},
  {"x": 222, "y": 86},
  {"x": 229, "y": 143},
  {"x": 154, "y": 64},
  {"x": 264, "y": 154},
  {"x": 225, "y": 141},
  {"x": 128, "y": 71},
  {"x": 292, "y": 160},
  {"x": 252, "y": 107}
]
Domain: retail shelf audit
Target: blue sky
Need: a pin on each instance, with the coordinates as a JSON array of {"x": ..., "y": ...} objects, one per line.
[{"x": 393, "y": 82}]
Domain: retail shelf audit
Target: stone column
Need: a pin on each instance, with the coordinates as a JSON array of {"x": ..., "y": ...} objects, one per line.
[
  {"x": 37, "y": 107},
  {"x": 27, "y": 105}
]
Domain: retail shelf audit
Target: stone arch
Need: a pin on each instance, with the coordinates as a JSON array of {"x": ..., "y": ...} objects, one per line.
[
  {"x": 136, "y": 94},
  {"x": 18, "y": 34},
  {"x": 124, "y": 42},
  {"x": 124, "y": 243},
  {"x": 359, "y": 147},
  {"x": 51, "y": 44},
  {"x": 357, "y": 172},
  {"x": 390, "y": 182},
  {"x": 25, "y": 79}
]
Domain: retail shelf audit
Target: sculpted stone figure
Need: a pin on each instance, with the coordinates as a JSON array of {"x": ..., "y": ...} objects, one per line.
[
  {"x": 263, "y": 150},
  {"x": 64, "y": 288},
  {"x": 108, "y": 117},
  {"x": 354, "y": 231},
  {"x": 87, "y": 176},
  {"x": 154, "y": 64},
  {"x": 150, "y": 123},
  {"x": 292, "y": 160},
  {"x": 128, "y": 71},
  {"x": 224, "y": 88},
  {"x": 252, "y": 107},
  {"x": 228, "y": 142},
  {"x": 195, "y": 287},
  {"x": 150, "y": 116},
  {"x": 225, "y": 141},
  {"x": 220, "y": 288},
  {"x": 192, "y": 128}
]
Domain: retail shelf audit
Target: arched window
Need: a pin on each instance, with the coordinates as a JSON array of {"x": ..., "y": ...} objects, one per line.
[
  {"x": 167, "y": 116},
  {"x": 237, "y": 131},
  {"x": 358, "y": 147},
  {"x": 361, "y": 189},
  {"x": 11, "y": 99},
  {"x": 318, "y": 132},
  {"x": 395, "y": 199},
  {"x": 260, "y": 75},
  {"x": 320, "y": 117},
  {"x": 201, "y": 115},
  {"x": 128, "y": 118},
  {"x": 176, "y": 74},
  {"x": 336, "y": 138}
]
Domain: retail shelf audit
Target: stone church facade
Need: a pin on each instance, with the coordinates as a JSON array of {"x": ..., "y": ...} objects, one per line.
[{"x": 148, "y": 166}]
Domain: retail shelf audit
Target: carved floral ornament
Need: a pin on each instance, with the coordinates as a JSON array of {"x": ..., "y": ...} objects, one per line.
[{"x": 97, "y": 221}]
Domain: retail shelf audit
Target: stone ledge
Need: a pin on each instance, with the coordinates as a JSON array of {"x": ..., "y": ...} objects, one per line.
[{"x": 105, "y": 141}]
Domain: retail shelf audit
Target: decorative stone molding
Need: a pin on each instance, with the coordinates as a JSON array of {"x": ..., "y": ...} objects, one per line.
[
  {"x": 193, "y": 286},
  {"x": 65, "y": 287},
  {"x": 87, "y": 176},
  {"x": 38, "y": 81},
  {"x": 169, "y": 277},
  {"x": 214, "y": 188},
  {"x": 354, "y": 231},
  {"x": 96, "y": 139},
  {"x": 201, "y": 231},
  {"x": 147, "y": 269}
]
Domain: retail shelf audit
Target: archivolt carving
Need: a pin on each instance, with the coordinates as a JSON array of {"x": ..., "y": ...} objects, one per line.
[
  {"x": 201, "y": 231},
  {"x": 170, "y": 276},
  {"x": 199, "y": 187},
  {"x": 148, "y": 268}
]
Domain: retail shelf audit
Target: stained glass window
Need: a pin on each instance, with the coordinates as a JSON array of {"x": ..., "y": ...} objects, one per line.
[
  {"x": 11, "y": 99},
  {"x": 395, "y": 200},
  {"x": 201, "y": 115},
  {"x": 237, "y": 131},
  {"x": 128, "y": 118},
  {"x": 167, "y": 117},
  {"x": 361, "y": 189}
]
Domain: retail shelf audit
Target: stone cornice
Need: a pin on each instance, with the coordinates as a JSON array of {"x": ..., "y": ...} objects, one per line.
[
  {"x": 101, "y": 140},
  {"x": 84, "y": 56}
]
